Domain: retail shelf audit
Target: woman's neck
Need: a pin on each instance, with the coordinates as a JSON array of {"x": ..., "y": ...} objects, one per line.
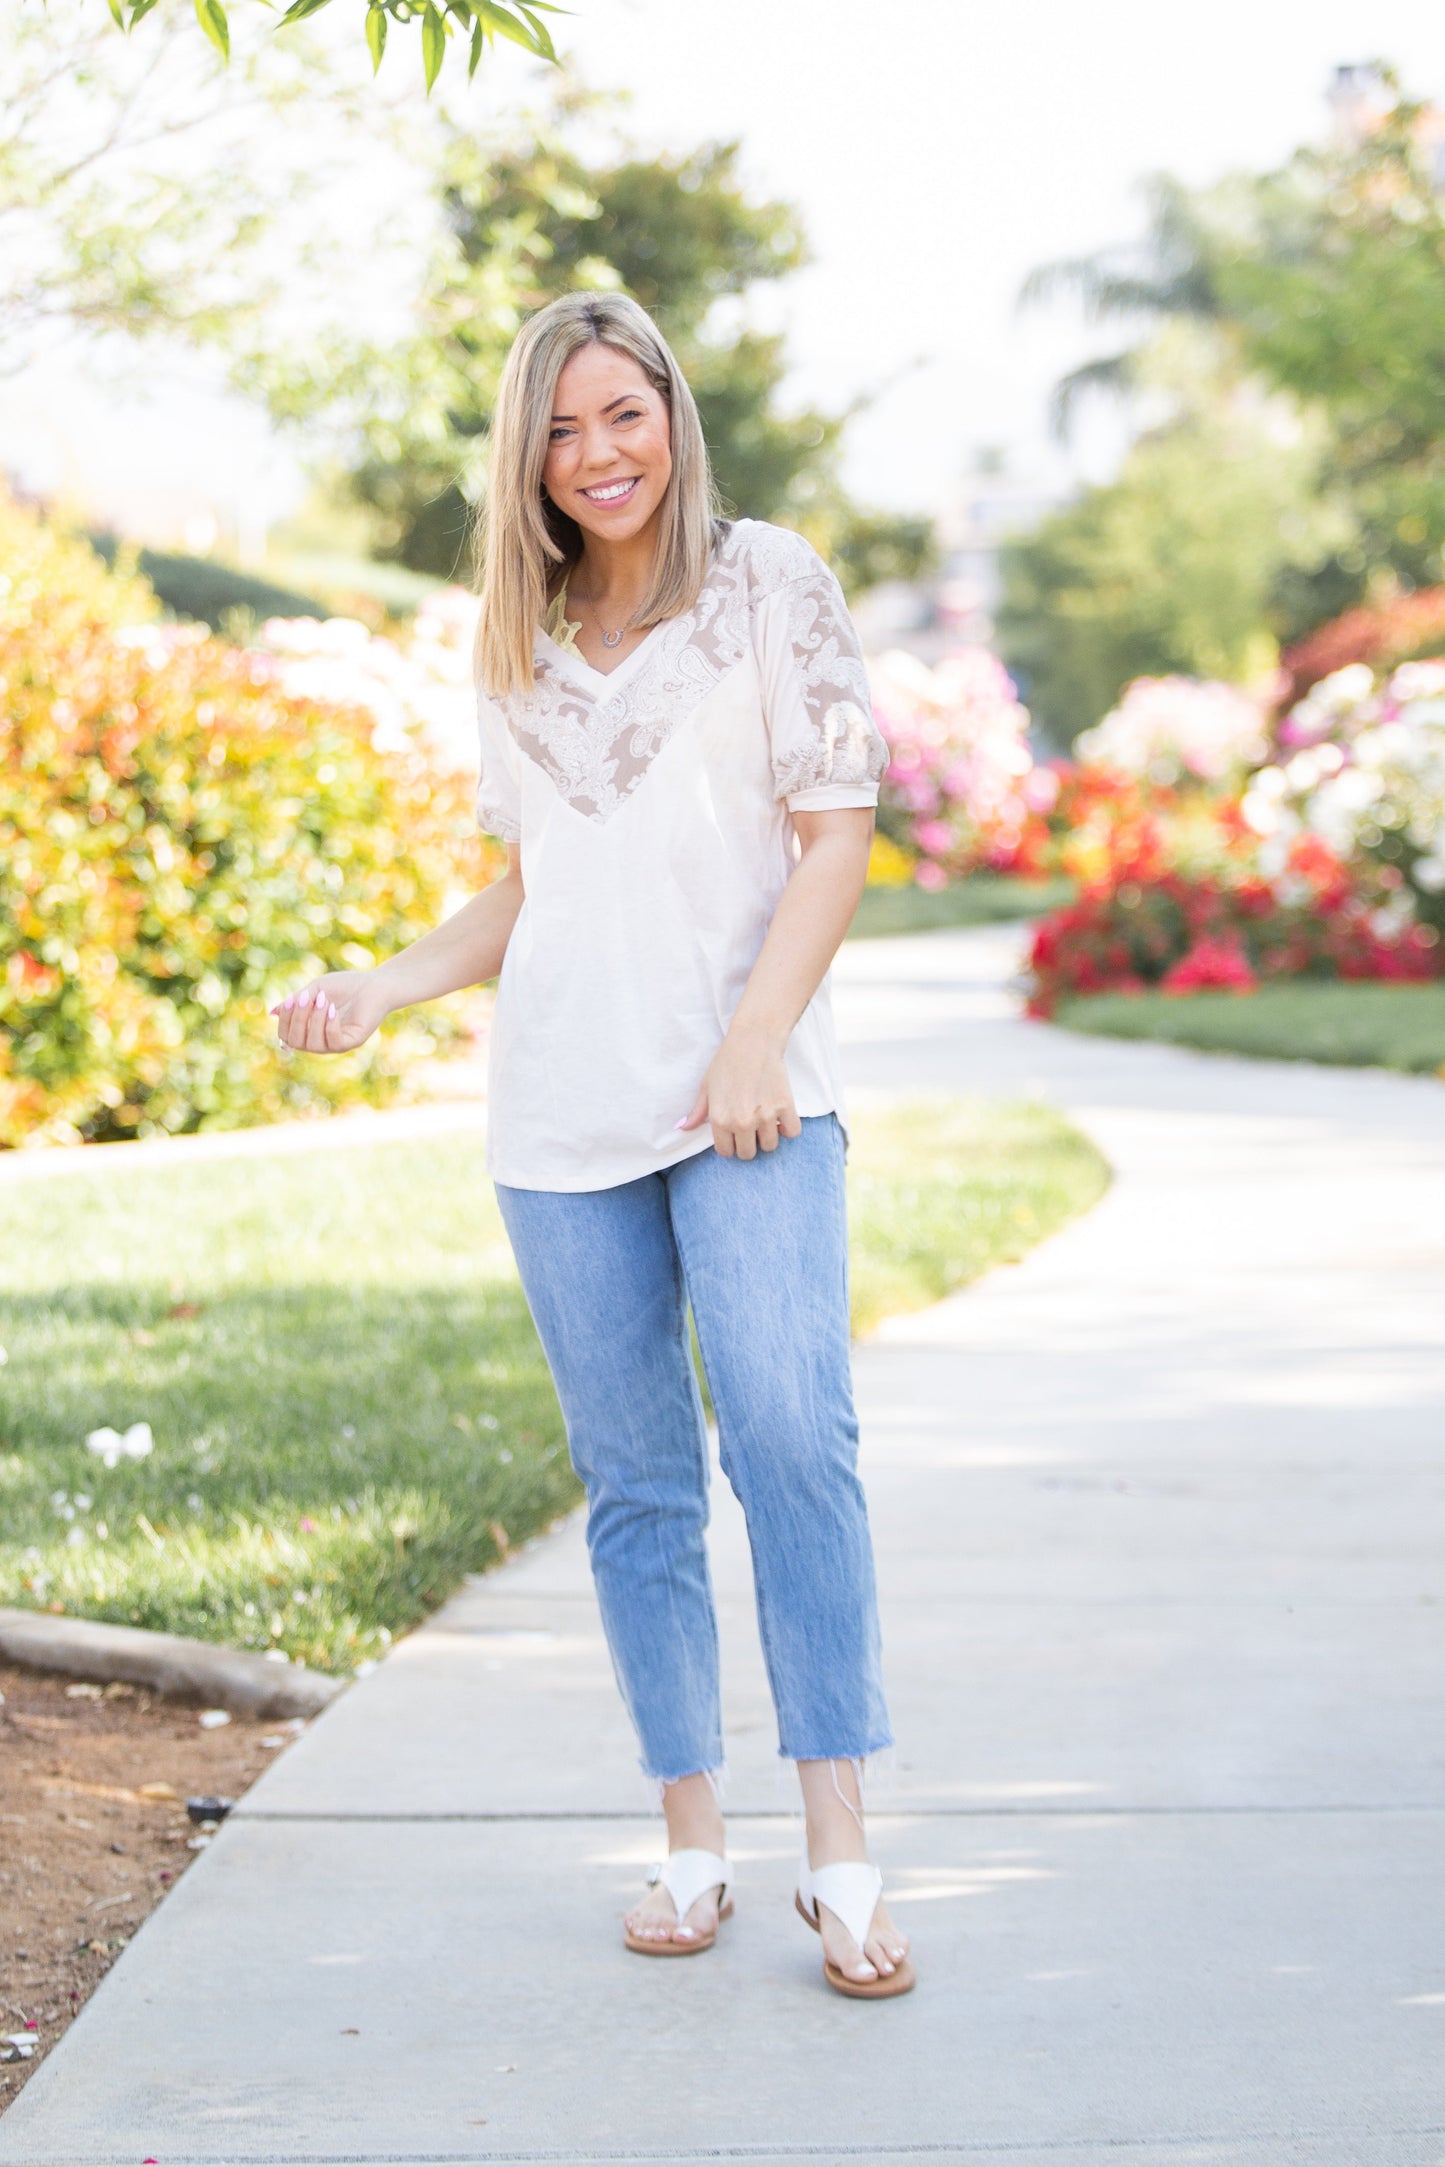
[{"x": 615, "y": 572}]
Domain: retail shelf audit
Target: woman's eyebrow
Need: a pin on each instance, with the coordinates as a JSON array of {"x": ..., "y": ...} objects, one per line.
[{"x": 621, "y": 400}]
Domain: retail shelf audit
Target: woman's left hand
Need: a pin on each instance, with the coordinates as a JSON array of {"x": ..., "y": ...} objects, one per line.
[{"x": 747, "y": 1098}]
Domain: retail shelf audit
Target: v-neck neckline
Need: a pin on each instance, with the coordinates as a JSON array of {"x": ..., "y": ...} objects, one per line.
[{"x": 573, "y": 657}]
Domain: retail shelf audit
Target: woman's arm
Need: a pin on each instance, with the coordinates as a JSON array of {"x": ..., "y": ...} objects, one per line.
[
  {"x": 339, "y": 1012},
  {"x": 746, "y": 1094}
]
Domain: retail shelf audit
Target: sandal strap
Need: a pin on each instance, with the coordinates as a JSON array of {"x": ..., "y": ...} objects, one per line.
[
  {"x": 850, "y": 1890},
  {"x": 686, "y": 1875}
]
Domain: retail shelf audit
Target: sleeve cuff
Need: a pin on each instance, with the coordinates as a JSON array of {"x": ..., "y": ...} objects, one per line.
[{"x": 833, "y": 797}]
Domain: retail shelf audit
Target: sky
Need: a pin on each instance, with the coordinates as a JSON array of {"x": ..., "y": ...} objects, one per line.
[
  {"x": 936, "y": 151},
  {"x": 938, "y": 162}
]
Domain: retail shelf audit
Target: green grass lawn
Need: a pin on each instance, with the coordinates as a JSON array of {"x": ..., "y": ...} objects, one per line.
[
  {"x": 1357, "y": 1026},
  {"x": 984, "y": 899},
  {"x": 349, "y": 1405}
]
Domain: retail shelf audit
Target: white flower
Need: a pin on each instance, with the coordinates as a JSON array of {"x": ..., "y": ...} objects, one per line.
[
  {"x": 109, "y": 1445},
  {"x": 1165, "y": 727}
]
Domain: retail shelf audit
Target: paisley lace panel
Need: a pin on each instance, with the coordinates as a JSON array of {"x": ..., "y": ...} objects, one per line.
[
  {"x": 597, "y": 745},
  {"x": 845, "y": 745}
]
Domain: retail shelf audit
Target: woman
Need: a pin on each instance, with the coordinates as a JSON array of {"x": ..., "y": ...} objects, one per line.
[{"x": 678, "y": 747}]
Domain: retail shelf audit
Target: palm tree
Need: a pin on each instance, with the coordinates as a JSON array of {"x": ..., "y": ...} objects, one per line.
[{"x": 1167, "y": 275}]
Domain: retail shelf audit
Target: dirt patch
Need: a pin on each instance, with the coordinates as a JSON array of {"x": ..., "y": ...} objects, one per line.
[{"x": 93, "y": 1834}]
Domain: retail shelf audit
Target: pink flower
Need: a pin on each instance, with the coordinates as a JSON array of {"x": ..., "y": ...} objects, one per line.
[
  {"x": 928, "y": 875},
  {"x": 934, "y": 836}
]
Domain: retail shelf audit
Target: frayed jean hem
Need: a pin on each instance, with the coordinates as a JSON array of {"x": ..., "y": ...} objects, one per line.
[
  {"x": 839, "y": 1753},
  {"x": 714, "y": 1772}
]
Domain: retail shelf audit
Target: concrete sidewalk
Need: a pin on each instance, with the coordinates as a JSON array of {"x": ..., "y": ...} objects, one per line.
[{"x": 1159, "y": 1517}]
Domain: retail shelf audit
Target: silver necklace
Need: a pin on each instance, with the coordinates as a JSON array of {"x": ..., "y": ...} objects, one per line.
[{"x": 609, "y": 639}]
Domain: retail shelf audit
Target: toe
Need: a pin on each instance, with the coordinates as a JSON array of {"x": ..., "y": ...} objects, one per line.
[{"x": 880, "y": 1957}]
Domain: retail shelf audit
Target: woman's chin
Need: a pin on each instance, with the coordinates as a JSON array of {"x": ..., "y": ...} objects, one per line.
[{"x": 620, "y": 526}]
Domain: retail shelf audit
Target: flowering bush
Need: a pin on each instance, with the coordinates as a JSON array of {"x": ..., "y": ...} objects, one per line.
[
  {"x": 418, "y": 694},
  {"x": 962, "y": 788},
  {"x": 1378, "y": 636},
  {"x": 1229, "y": 928},
  {"x": 1362, "y": 765},
  {"x": 181, "y": 840},
  {"x": 1175, "y": 729}
]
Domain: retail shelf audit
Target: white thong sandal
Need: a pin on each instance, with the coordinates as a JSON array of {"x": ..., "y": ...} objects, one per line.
[
  {"x": 686, "y": 1875},
  {"x": 851, "y": 1891}
]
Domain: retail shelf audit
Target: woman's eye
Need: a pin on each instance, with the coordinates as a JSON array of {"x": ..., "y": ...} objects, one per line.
[
  {"x": 630, "y": 413},
  {"x": 555, "y": 436}
]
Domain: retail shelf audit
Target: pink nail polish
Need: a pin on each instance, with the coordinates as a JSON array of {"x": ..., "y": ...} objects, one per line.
[{"x": 681, "y": 1124}]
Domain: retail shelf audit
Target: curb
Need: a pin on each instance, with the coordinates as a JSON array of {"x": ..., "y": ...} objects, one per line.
[{"x": 178, "y": 1669}]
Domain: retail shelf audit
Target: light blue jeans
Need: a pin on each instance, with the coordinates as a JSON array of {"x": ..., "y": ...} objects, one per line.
[{"x": 758, "y": 1247}]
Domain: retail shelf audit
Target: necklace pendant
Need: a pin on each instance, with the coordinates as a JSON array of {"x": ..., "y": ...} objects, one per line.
[{"x": 610, "y": 639}]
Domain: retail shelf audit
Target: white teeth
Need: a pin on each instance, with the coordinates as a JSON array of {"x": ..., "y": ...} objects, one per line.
[{"x": 613, "y": 489}]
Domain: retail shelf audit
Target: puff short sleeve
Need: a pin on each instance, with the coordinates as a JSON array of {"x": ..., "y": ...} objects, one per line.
[
  {"x": 827, "y": 751},
  {"x": 499, "y": 790}
]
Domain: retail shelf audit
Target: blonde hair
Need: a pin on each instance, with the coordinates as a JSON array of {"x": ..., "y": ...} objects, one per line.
[{"x": 522, "y": 537}]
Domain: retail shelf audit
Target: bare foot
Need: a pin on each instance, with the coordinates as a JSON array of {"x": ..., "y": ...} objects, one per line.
[
  {"x": 694, "y": 1823},
  {"x": 881, "y": 1954},
  {"x": 833, "y": 1805},
  {"x": 656, "y": 1919}
]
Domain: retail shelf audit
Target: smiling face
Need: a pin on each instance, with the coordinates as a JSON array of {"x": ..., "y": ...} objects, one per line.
[{"x": 609, "y": 456}]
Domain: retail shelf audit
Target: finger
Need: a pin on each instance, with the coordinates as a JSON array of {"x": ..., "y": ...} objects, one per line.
[
  {"x": 722, "y": 1142},
  {"x": 315, "y": 1038},
  {"x": 767, "y": 1135},
  {"x": 788, "y": 1122},
  {"x": 295, "y": 1009},
  {"x": 302, "y": 1019},
  {"x": 698, "y": 1115},
  {"x": 745, "y": 1143}
]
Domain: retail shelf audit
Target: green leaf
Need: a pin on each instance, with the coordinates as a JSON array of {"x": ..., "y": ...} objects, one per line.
[
  {"x": 530, "y": 35},
  {"x": 375, "y": 35},
  {"x": 479, "y": 39},
  {"x": 542, "y": 34},
  {"x": 212, "y": 18},
  {"x": 138, "y": 9},
  {"x": 300, "y": 9},
  {"x": 433, "y": 42}
]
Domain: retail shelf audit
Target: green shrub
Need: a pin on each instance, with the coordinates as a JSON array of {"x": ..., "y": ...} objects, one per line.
[
  {"x": 207, "y": 592},
  {"x": 180, "y": 843}
]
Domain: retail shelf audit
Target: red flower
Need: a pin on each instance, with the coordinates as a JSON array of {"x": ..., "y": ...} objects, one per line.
[{"x": 1211, "y": 964}]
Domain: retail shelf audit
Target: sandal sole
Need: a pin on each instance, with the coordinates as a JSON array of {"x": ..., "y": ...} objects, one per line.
[{"x": 900, "y": 1981}]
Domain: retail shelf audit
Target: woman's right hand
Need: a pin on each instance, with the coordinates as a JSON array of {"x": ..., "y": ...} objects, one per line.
[{"x": 334, "y": 1014}]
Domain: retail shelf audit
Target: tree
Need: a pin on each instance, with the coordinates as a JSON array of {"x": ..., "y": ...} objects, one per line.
[
  {"x": 528, "y": 217},
  {"x": 1341, "y": 302},
  {"x": 138, "y": 190},
  {"x": 1313, "y": 295},
  {"x": 1324, "y": 281},
  {"x": 1187, "y": 562},
  {"x": 478, "y": 22}
]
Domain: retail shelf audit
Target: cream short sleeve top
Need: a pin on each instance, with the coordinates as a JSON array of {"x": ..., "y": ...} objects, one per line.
[{"x": 652, "y": 805}]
